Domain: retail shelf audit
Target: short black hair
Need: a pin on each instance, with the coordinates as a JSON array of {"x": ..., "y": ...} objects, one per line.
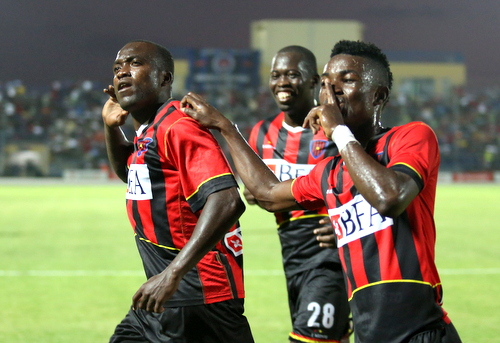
[
  {"x": 367, "y": 50},
  {"x": 164, "y": 61},
  {"x": 307, "y": 57}
]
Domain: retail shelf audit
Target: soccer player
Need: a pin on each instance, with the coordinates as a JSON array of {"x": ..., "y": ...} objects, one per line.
[
  {"x": 183, "y": 203},
  {"x": 316, "y": 290},
  {"x": 379, "y": 191}
]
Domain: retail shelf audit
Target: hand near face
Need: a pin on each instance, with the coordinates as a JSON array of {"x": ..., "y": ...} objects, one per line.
[
  {"x": 200, "y": 110},
  {"x": 327, "y": 115},
  {"x": 325, "y": 234},
  {"x": 155, "y": 292},
  {"x": 112, "y": 114}
]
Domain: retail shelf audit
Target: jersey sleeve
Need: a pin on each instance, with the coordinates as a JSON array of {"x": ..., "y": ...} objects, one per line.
[
  {"x": 307, "y": 190},
  {"x": 414, "y": 150},
  {"x": 202, "y": 167}
]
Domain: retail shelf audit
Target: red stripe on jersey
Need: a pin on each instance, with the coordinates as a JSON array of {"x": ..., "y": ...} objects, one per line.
[
  {"x": 389, "y": 264},
  {"x": 130, "y": 216},
  {"x": 357, "y": 263},
  {"x": 144, "y": 208},
  {"x": 215, "y": 285},
  {"x": 349, "y": 287}
]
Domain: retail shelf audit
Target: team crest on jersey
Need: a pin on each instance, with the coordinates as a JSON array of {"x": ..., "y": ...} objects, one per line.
[
  {"x": 234, "y": 242},
  {"x": 317, "y": 147},
  {"x": 142, "y": 145}
]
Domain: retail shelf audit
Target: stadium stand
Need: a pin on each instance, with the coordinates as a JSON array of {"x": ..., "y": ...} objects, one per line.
[{"x": 45, "y": 131}]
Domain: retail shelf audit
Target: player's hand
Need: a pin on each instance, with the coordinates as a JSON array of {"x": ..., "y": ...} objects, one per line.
[
  {"x": 325, "y": 234},
  {"x": 155, "y": 292},
  {"x": 199, "y": 109},
  {"x": 327, "y": 115},
  {"x": 112, "y": 114}
]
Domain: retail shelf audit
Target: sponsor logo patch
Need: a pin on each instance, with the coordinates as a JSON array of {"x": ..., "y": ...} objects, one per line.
[
  {"x": 286, "y": 171},
  {"x": 139, "y": 183},
  {"x": 357, "y": 219}
]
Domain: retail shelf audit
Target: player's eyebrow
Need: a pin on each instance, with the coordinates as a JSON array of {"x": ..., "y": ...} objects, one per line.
[
  {"x": 125, "y": 59},
  {"x": 343, "y": 72}
]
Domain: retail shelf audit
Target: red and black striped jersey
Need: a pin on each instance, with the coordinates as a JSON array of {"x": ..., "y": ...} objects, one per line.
[
  {"x": 291, "y": 152},
  {"x": 392, "y": 280},
  {"x": 176, "y": 165}
]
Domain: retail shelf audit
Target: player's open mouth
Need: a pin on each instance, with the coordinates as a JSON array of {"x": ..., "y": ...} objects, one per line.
[
  {"x": 123, "y": 85},
  {"x": 284, "y": 96}
]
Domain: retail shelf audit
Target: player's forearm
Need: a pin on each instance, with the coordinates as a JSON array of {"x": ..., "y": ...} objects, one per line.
[
  {"x": 221, "y": 211},
  {"x": 118, "y": 149},
  {"x": 254, "y": 173}
]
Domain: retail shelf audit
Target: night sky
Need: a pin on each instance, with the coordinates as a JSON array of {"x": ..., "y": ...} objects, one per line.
[{"x": 42, "y": 41}]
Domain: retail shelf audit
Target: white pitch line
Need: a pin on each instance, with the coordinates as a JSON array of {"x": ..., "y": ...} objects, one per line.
[
  {"x": 254, "y": 272},
  {"x": 58, "y": 273},
  {"x": 476, "y": 271}
]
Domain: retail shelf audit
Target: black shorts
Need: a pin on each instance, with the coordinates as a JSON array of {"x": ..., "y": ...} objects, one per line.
[
  {"x": 444, "y": 333},
  {"x": 318, "y": 305},
  {"x": 221, "y": 322}
]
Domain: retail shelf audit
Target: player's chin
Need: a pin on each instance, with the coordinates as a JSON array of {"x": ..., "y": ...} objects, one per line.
[{"x": 285, "y": 105}]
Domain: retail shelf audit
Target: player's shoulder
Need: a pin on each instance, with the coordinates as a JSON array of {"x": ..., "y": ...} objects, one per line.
[
  {"x": 175, "y": 119},
  {"x": 413, "y": 127},
  {"x": 415, "y": 131}
]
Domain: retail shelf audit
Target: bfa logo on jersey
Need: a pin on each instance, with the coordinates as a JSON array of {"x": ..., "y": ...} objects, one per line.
[
  {"x": 142, "y": 145},
  {"x": 234, "y": 242},
  {"x": 317, "y": 148}
]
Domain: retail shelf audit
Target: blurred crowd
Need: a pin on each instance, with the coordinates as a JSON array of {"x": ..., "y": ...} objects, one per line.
[{"x": 44, "y": 131}]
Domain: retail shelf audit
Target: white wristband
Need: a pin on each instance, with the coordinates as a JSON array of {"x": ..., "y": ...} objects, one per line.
[{"x": 342, "y": 136}]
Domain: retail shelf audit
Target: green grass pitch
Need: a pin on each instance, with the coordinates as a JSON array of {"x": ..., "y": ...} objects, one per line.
[{"x": 69, "y": 266}]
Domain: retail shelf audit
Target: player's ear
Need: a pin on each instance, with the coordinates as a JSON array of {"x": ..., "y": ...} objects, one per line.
[
  {"x": 167, "y": 78},
  {"x": 381, "y": 96}
]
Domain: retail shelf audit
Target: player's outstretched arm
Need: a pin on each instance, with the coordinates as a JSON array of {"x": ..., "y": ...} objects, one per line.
[
  {"x": 118, "y": 146},
  {"x": 269, "y": 192},
  {"x": 221, "y": 211}
]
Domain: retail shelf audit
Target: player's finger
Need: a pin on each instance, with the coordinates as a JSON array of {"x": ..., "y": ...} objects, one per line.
[
  {"x": 311, "y": 121},
  {"x": 327, "y": 245},
  {"x": 151, "y": 304},
  {"x": 329, "y": 94},
  {"x": 158, "y": 308},
  {"x": 323, "y": 230},
  {"x": 186, "y": 101},
  {"x": 137, "y": 299}
]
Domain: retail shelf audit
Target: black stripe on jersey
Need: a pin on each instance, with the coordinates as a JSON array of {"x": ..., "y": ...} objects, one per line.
[
  {"x": 304, "y": 146},
  {"x": 371, "y": 258},
  {"x": 347, "y": 252},
  {"x": 152, "y": 159},
  {"x": 407, "y": 254},
  {"x": 139, "y": 229},
  {"x": 326, "y": 176},
  {"x": 229, "y": 271},
  {"x": 197, "y": 201},
  {"x": 338, "y": 190},
  {"x": 280, "y": 150}
]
